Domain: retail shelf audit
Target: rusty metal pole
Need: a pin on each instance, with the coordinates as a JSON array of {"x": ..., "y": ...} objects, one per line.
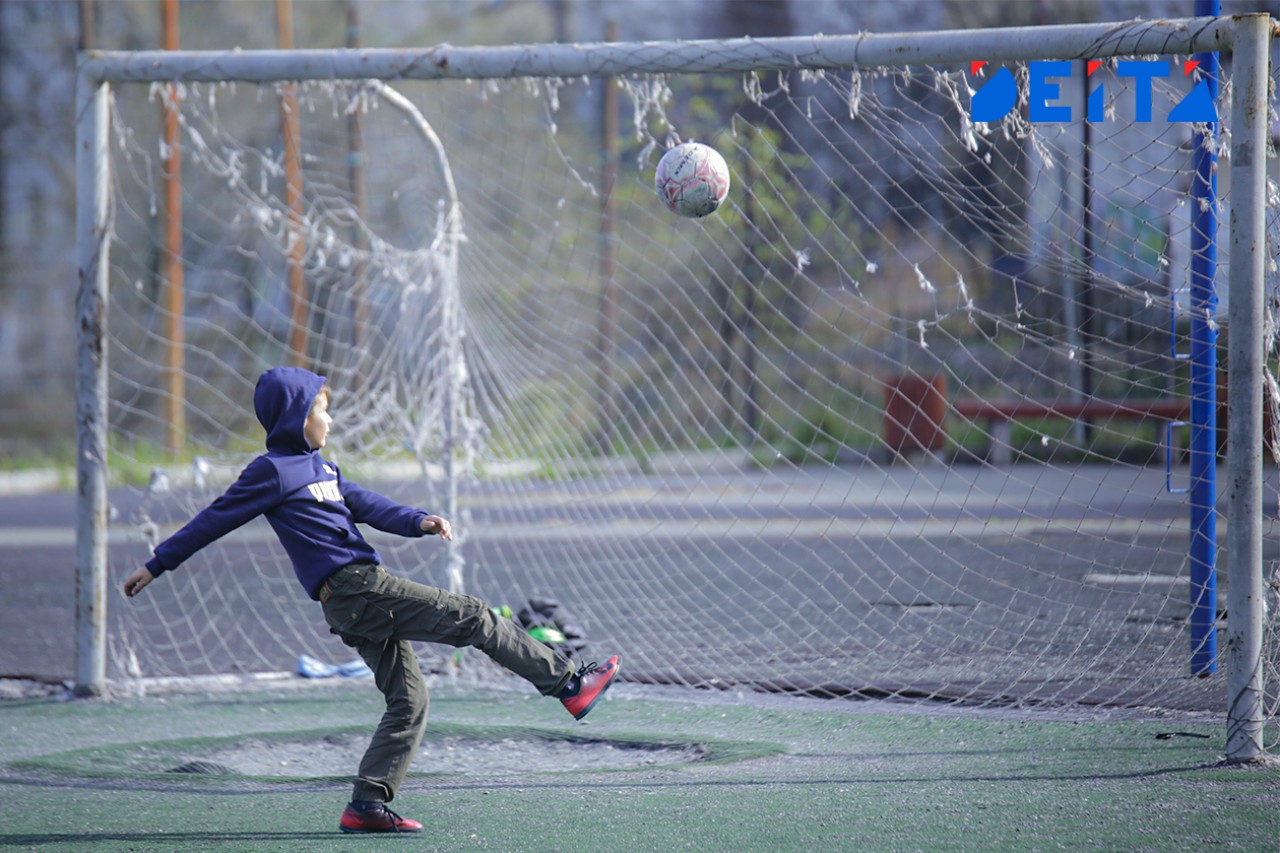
[
  {"x": 296, "y": 248},
  {"x": 175, "y": 301},
  {"x": 607, "y": 329},
  {"x": 359, "y": 199}
]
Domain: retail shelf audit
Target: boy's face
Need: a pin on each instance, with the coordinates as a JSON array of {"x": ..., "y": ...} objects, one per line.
[{"x": 316, "y": 427}]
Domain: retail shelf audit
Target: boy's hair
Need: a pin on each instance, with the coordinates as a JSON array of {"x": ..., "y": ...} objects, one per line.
[{"x": 325, "y": 393}]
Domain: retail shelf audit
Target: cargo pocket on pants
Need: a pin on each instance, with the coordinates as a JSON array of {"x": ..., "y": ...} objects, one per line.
[{"x": 349, "y": 617}]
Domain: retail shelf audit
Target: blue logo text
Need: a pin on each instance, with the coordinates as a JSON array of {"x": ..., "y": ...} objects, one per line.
[{"x": 999, "y": 95}]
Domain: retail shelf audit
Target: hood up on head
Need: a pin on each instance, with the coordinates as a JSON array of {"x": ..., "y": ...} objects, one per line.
[{"x": 282, "y": 401}]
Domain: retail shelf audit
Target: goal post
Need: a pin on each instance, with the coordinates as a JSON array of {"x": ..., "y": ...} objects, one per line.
[
  {"x": 1245, "y": 440},
  {"x": 894, "y": 262},
  {"x": 92, "y": 253}
]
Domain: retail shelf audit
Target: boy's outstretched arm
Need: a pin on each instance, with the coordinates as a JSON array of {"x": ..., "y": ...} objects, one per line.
[{"x": 136, "y": 581}]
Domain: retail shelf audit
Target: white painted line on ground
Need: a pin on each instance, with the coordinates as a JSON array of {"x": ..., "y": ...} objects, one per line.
[
  {"x": 1028, "y": 529},
  {"x": 1139, "y": 579}
]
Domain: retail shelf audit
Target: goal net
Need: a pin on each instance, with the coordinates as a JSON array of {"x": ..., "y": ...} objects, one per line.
[{"x": 908, "y": 416}]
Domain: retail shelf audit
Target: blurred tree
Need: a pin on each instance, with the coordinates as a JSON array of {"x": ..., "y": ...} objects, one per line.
[{"x": 38, "y": 41}]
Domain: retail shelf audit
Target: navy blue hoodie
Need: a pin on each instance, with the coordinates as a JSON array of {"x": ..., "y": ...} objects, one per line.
[{"x": 308, "y": 503}]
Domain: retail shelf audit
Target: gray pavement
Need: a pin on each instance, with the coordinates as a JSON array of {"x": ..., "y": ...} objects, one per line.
[{"x": 1032, "y": 584}]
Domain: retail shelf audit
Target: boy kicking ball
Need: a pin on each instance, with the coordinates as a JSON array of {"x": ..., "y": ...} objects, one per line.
[{"x": 314, "y": 512}]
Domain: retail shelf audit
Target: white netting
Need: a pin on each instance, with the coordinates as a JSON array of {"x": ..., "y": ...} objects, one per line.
[{"x": 763, "y": 448}]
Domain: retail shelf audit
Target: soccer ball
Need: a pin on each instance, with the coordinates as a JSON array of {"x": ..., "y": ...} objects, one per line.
[{"x": 692, "y": 179}]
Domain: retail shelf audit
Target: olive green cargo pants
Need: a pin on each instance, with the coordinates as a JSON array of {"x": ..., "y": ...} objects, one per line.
[{"x": 378, "y": 615}]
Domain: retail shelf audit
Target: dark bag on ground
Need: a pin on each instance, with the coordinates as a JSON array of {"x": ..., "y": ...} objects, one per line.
[{"x": 548, "y": 621}]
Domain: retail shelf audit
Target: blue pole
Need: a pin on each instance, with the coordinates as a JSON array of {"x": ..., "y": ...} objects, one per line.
[{"x": 1204, "y": 384}]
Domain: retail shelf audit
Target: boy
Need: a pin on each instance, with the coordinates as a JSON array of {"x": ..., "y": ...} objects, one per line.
[{"x": 314, "y": 512}]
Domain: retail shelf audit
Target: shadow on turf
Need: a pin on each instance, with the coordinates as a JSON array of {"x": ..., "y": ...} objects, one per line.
[
  {"x": 420, "y": 783},
  {"x": 192, "y": 839}
]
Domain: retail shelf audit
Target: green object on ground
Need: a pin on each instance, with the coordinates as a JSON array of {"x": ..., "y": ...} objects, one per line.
[{"x": 546, "y": 635}]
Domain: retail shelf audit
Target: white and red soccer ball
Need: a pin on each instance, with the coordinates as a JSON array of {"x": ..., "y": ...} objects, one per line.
[{"x": 692, "y": 179}]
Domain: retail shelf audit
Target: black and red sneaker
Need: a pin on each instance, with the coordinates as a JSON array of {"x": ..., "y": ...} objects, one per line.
[
  {"x": 590, "y": 683},
  {"x": 375, "y": 817}
]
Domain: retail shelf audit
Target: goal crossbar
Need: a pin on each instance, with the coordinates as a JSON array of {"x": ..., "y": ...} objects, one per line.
[{"x": 818, "y": 52}]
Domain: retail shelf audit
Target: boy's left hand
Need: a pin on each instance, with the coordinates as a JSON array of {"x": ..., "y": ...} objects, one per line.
[
  {"x": 437, "y": 525},
  {"x": 136, "y": 581}
]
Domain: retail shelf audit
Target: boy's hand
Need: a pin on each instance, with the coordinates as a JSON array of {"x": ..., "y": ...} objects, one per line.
[
  {"x": 436, "y": 524},
  {"x": 136, "y": 581}
]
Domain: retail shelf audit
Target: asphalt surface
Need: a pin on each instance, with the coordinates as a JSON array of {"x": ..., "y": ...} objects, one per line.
[{"x": 1032, "y": 585}]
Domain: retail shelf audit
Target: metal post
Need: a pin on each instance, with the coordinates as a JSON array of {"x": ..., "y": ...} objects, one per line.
[
  {"x": 455, "y": 371},
  {"x": 455, "y": 368},
  {"x": 1088, "y": 258},
  {"x": 608, "y": 328},
  {"x": 359, "y": 188},
  {"x": 92, "y": 255},
  {"x": 1244, "y": 390},
  {"x": 1204, "y": 385},
  {"x": 176, "y": 306},
  {"x": 292, "y": 142}
]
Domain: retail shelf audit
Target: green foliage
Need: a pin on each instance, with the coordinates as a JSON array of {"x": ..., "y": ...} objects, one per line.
[
  {"x": 823, "y": 433},
  {"x": 753, "y": 305},
  {"x": 60, "y": 456},
  {"x": 545, "y": 425}
]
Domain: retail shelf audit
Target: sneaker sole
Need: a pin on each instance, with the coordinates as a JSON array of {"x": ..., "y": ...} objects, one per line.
[
  {"x": 351, "y": 831},
  {"x": 596, "y": 698}
]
